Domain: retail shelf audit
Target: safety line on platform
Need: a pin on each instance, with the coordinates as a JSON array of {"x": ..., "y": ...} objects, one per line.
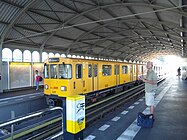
[{"x": 133, "y": 129}]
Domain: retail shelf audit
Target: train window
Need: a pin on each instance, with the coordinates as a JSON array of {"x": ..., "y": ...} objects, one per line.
[
  {"x": 116, "y": 70},
  {"x": 53, "y": 71},
  {"x": 89, "y": 70},
  {"x": 95, "y": 70},
  {"x": 139, "y": 69},
  {"x": 65, "y": 71},
  {"x": 46, "y": 71},
  {"x": 79, "y": 71},
  {"x": 107, "y": 70},
  {"x": 124, "y": 69},
  {"x": 134, "y": 68}
]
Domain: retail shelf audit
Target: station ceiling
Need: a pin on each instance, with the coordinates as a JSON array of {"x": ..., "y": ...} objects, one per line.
[{"x": 132, "y": 30}]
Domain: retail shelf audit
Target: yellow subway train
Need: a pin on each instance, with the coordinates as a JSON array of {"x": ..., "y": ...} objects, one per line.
[{"x": 65, "y": 77}]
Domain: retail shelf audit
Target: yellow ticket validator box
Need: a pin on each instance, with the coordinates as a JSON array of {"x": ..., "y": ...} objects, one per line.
[{"x": 75, "y": 113}]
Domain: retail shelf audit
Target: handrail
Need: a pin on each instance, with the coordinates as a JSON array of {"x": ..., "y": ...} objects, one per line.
[
  {"x": 13, "y": 121},
  {"x": 31, "y": 116}
]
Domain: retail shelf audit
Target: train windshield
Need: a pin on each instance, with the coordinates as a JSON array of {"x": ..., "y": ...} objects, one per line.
[
  {"x": 62, "y": 71},
  {"x": 53, "y": 71},
  {"x": 65, "y": 71}
]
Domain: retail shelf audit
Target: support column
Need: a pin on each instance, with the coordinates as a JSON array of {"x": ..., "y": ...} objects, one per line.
[
  {"x": 1, "y": 83},
  {"x": 41, "y": 50}
]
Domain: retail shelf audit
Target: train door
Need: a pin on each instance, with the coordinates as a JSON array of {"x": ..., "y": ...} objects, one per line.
[
  {"x": 87, "y": 82},
  {"x": 131, "y": 72},
  {"x": 116, "y": 73},
  {"x": 95, "y": 77}
]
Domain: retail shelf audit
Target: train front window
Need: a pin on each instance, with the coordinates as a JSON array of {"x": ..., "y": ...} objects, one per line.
[
  {"x": 46, "y": 71},
  {"x": 53, "y": 71},
  {"x": 65, "y": 71}
]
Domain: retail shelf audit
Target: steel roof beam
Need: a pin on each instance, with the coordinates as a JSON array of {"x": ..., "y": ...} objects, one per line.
[{"x": 17, "y": 17}]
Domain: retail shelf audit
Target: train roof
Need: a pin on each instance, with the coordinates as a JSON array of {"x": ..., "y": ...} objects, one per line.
[{"x": 62, "y": 59}]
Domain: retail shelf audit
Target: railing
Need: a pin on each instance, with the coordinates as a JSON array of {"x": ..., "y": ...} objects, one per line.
[{"x": 13, "y": 121}]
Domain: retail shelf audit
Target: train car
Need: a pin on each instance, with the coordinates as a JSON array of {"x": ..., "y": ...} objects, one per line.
[
  {"x": 158, "y": 68},
  {"x": 65, "y": 77}
]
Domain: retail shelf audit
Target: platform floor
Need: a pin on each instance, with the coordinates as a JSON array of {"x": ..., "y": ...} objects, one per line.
[
  {"x": 170, "y": 117},
  {"x": 19, "y": 92}
]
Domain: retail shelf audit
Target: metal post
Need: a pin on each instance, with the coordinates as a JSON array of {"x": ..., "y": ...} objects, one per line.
[
  {"x": 64, "y": 118},
  {"x": 12, "y": 126},
  {"x": 41, "y": 50}
]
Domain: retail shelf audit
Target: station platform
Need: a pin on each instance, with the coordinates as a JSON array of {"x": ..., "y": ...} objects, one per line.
[
  {"x": 170, "y": 117},
  {"x": 20, "y": 91}
]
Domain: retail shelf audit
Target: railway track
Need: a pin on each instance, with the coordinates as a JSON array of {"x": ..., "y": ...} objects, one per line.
[
  {"x": 94, "y": 112},
  {"x": 99, "y": 109}
]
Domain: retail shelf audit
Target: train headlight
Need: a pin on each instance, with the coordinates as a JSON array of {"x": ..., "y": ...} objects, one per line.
[
  {"x": 63, "y": 88},
  {"x": 46, "y": 86}
]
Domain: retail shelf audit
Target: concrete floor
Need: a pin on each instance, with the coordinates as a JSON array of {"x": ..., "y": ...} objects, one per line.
[{"x": 170, "y": 117}]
